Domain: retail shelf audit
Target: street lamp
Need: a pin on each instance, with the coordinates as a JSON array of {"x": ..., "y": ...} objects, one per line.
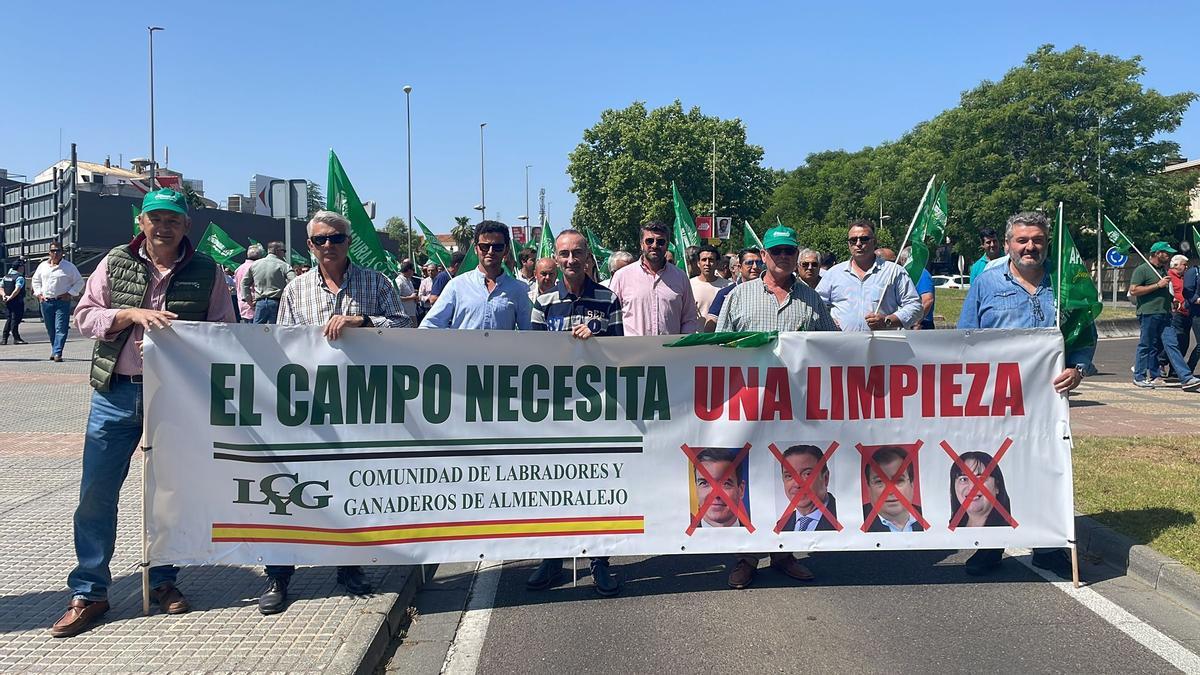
[
  {"x": 408, "y": 127},
  {"x": 526, "y": 216},
  {"x": 482, "y": 199},
  {"x": 153, "y": 164}
]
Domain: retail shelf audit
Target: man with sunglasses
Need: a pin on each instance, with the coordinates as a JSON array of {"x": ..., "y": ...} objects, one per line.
[
  {"x": 263, "y": 285},
  {"x": 749, "y": 268},
  {"x": 338, "y": 295},
  {"x": 578, "y": 305},
  {"x": 656, "y": 297},
  {"x": 485, "y": 298},
  {"x": 140, "y": 286},
  {"x": 775, "y": 302},
  {"x": 1019, "y": 294},
  {"x": 809, "y": 269},
  {"x": 866, "y": 292},
  {"x": 55, "y": 281}
]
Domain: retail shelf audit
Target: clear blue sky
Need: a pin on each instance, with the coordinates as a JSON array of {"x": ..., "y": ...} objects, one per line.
[{"x": 268, "y": 87}]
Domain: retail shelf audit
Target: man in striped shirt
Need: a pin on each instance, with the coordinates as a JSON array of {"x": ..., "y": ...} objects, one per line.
[
  {"x": 338, "y": 295},
  {"x": 582, "y": 307}
]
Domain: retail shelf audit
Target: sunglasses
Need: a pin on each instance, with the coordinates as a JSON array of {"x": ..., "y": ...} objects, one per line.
[
  {"x": 782, "y": 250},
  {"x": 322, "y": 239},
  {"x": 654, "y": 241},
  {"x": 810, "y": 265},
  {"x": 858, "y": 240},
  {"x": 494, "y": 248},
  {"x": 56, "y": 250},
  {"x": 753, "y": 263}
]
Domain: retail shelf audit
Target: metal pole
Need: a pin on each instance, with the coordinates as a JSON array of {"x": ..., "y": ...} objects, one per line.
[
  {"x": 1099, "y": 227},
  {"x": 527, "y": 221},
  {"x": 712, "y": 231},
  {"x": 482, "y": 193},
  {"x": 408, "y": 126},
  {"x": 287, "y": 222},
  {"x": 153, "y": 164}
]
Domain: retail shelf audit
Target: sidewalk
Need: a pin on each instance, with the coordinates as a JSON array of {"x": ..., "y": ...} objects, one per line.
[{"x": 40, "y": 451}]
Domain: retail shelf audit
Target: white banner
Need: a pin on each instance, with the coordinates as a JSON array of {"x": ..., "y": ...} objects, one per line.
[{"x": 272, "y": 445}]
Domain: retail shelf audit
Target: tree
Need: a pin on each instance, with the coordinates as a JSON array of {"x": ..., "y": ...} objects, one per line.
[
  {"x": 398, "y": 230},
  {"x": 1025, "y": 142},
  {"x": 463, "y": 232},
  {"x": 316, "y": 200},
  {"x": 622, "y": 171}
]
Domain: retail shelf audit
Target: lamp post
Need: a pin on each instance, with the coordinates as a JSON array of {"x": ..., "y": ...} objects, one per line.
[
  {"x": 408, "y": 128},
  {"x": 153, "y": 164},
  {"x": 526, "y": 216},
  {"x": 482, "y": 193}
]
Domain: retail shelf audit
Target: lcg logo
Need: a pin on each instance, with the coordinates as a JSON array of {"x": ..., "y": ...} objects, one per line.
[{"x": 281, "y": 499}]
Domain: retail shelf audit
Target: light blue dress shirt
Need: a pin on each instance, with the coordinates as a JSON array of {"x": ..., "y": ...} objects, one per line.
[
  {"x": 466, "y": 303},
  {"x": 851, "y": 299}
]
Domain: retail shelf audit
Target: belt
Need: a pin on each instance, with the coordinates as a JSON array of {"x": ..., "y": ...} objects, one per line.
[{"x": 133, "y": 379}]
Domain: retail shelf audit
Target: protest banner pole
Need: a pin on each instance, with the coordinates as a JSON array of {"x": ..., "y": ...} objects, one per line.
[
  {"x": 1074, "y": 565},
  {"x": 145, "y": 564},
  {"x": 911, "y": 225},
  {"x": 1058, "y": 282}
]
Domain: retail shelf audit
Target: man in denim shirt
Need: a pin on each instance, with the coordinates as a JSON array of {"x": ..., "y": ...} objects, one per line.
[{"x": 1020, "y": 295}]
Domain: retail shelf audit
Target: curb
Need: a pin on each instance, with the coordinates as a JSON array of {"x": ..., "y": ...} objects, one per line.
[
  {"x": 1165, "y": 575},
  {"x": 389, "y": 608},
  {"x": 1111, "y": 328}
]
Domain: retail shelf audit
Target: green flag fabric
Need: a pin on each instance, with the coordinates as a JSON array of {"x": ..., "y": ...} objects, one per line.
[
  {"x": 1116, "y": 237},
  {"x": 471, "y": 261},
  {"x": 218, "y": 245},
  {"x": 137, "y": 227},
  {"x": 928, "y": 231},
  {"x": 433, "y": 248},
  {"x": 300, "y": 259},
  {"x": 1195, "y": 238},
  {"x": 365, "y": 249},
  {"x": 736, "y": 339},
  {"x": 1074, "y": 291},
  {"x": 599, "y": 252},
  {"x": 749, "y": 238},
  {"x": 685, "y": 229},
  {"x": 546, "y": 242}
]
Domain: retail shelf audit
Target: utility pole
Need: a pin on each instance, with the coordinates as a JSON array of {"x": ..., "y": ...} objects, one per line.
[
  {"x": 153, "y": 165},
  {"x": 713, "y": 228}
]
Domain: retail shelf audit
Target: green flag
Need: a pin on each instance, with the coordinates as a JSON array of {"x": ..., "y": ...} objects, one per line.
[
  {"x": 137, "y": 227},
  {"x": 433, "y": 248},
  {"x": 929, "y": 230},
  {"x": 599, "y": 252},
  {"x": 365, "y": 249},
  {"x": 546, "y": 242},
  {"x": 749, "y": 238},
  {"x": 1195, "y": 238},
  {"x": 471, "y": 261},
  {"x": 300, "y": 259},
  {"x": 1074, "y": 290},
  {"x": 1117, "y": 238},
  {"x": 685, "y": 229},
  {"x": 219, "y": 246}
]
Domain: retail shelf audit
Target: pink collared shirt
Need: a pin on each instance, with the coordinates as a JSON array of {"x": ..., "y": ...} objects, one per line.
[
  {"x": 245, "y": 309},
  {"x": 655, "y": 303},
  {"x": 94, "y": 315}
]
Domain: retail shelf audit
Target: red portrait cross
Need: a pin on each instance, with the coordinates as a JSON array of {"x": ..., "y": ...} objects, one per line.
[
  {"x": 718, "y": 488},
  {"x": 805, "y": 487},
  {"x": 889, "y": 482},
  {"x": 979, "y": 487}
]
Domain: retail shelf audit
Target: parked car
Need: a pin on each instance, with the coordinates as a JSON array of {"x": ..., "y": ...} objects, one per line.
[{"x": 951, "y": 281}]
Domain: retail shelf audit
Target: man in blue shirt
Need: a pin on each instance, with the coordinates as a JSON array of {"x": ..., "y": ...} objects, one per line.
[
  {"x": 14, "y": 301},
  {"x": 579, "y": 306},
  {"x": 868, "y": 293},
  {"x": 486, "y": 298},
  {"x": 444, "y": 277},
  {"x": 990, "y": 243},
  {"x": 928, "y": 299},
  {"x": 750, "y": 265},
  {"x": 1020, "y": 295}
]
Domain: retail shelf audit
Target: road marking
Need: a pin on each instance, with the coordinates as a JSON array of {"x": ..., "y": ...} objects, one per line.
[
  {"x": 463, "y": 655},
  {"x": 1146, "y": 635}
]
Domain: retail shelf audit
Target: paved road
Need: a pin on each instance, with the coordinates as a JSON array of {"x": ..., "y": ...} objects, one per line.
[{"x": 867, "y": 612}]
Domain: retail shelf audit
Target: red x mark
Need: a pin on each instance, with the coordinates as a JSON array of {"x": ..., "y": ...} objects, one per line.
[
  {"x": 979, "y": 487},
  {"x": 805, "y": 487},
  {"x": 718, "y": 489},
  {"x": 889, "y": 482}
]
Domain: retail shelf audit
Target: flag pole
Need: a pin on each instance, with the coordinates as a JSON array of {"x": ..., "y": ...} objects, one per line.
[
  {"x": 1058, "y": 281},
  {"x": 911, "y": 225}
]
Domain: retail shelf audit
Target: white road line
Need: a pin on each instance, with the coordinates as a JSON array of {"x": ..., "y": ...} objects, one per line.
[
  {"x": 463, "y": 655},
  {"x": 1146, "y": 635}
]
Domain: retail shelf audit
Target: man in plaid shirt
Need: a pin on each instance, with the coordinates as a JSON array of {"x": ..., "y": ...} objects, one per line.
[
  {"x": 584, "y": 308},
  {"x": 336, "y": 294}
]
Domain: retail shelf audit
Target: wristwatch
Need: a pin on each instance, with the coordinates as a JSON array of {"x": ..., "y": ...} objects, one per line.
[
  {"x": 887, "y": 321},
  {"x": 1081, "y": 369}
]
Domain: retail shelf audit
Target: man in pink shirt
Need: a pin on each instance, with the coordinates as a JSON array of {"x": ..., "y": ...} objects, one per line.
[
  {"x": 138, "y": 286},
  {"x": 245, "y": 309},
  {"x": 656, "y": 298}
]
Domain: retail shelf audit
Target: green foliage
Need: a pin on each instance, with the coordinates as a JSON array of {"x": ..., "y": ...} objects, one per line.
[
  {"x": 463, "y": 233},
  {"x": 316, "y": 200},
  {"x": 1025, "y": 142},
  {"x": 622, "y": 171},
  {"x": 398, "y": 230}
]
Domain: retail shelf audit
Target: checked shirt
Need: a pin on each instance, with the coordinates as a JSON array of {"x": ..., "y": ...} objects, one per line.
[
  {"x": 307, "y": 301},
  {"x": 752, "y": 306}
]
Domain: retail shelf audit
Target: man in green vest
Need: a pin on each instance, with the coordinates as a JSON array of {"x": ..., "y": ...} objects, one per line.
[{"x": 140, "y": 286}]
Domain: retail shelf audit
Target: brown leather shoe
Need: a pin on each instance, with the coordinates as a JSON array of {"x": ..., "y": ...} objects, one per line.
[
  {"x": 788, "y": 564},
  {"x": 742, "y": 574},
  {"x": 170, "y": 599},
  {"x": 80, "y": 616}
]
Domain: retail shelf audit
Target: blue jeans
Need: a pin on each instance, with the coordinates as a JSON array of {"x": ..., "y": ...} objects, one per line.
[
  {"x": 57, "y": 316},
  {"x": 113, "y": 431},
  {"x": 1157, "y": 334},
  {"x": 266, "y": 310}
]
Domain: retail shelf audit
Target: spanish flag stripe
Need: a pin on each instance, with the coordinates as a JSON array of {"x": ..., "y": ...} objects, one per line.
[
  {"x": 413, "y": 526},
  {"x": 385, "y": 542},
  {"x": 430, "y": 532}
]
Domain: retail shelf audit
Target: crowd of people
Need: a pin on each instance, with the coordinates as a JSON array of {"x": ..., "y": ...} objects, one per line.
[{"x": 158, "y": 277}]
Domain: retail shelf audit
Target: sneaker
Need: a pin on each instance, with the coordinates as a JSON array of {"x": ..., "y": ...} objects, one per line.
[
  {"x": 1144, "y": 384},
  {"x": 1192, "y": 384}
]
